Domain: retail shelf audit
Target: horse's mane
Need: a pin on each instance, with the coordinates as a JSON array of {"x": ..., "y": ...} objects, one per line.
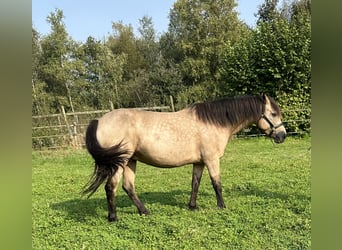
[{"x": 232, "y": 110}]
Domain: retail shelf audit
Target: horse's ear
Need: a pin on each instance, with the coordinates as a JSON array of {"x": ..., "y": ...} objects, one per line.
[{"x": 265, "y": 98}]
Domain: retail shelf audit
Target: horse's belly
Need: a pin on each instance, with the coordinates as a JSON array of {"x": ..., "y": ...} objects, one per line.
[{"x": 166, "y": 157}]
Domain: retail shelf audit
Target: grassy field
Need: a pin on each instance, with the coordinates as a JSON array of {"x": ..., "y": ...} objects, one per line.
[{"x": 266, "y": 188}]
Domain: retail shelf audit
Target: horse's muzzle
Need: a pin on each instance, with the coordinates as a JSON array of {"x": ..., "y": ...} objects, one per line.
[{"x": 280, "y": 137}]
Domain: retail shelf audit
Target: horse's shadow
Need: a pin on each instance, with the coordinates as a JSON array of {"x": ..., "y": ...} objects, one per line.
[{"x": 79, "y": 209}]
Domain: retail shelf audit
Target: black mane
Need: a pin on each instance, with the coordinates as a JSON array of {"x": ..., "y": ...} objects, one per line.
[{"x": 232, "y": 111}]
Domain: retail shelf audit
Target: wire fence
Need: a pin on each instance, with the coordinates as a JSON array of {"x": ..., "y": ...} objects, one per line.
[{"x": 67, "y": 130}]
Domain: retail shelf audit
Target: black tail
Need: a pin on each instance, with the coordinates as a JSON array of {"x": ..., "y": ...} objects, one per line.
[{"x": 107, "y": 160}]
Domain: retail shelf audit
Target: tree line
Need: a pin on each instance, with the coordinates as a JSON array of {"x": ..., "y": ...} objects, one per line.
[{"x": 206, "y": 53}]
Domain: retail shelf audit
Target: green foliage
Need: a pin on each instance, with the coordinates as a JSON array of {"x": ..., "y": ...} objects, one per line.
[
  {"x": 296, "y": 108},
  {"x": 275, "y": 58},
  {"x": 206, "y": 53},
  {"x": 200, "y": 30},
  {"x": 102, "y": 76},
  {"x": 36, "y": 55},
  {"x": 268, "y": 11},
  {"x": 57, "y": 66},
  {"x": 147, "y": 44},
  {"x": 165, "y": 80},
  {"x": 122, "y": 41},
  {"x": 267, "y": 194},
  {"x": 196, "y": 93}
]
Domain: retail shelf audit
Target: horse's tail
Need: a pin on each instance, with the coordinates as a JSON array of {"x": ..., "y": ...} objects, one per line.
[{"x": 107, "y": 160}]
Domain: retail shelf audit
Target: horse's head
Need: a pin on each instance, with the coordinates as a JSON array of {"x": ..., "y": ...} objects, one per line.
[{"x": 270, "y": 120}]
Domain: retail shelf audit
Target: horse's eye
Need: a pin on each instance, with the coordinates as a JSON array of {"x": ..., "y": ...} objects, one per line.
[{"x": 274, "y": 114}]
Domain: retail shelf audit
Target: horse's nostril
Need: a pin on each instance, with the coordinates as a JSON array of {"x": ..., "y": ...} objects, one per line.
[{"x": 280, "y": 137}]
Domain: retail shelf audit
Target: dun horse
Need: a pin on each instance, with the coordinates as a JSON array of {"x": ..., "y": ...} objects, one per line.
[{"x": 196, "y": 135}]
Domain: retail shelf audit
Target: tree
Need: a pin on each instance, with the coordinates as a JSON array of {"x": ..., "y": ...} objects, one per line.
[
  {"x": 123, "y": 41},
  {"x": 268, "y": 11},
  {"x": 147, "y": 44},
  {"x": 199, "y": 31},
  {"x": 275, "y": 59},
  {"x": 98, "y": 85},
  {"x": 57, "y": 66},
  {"x": 36, "y": 56}
]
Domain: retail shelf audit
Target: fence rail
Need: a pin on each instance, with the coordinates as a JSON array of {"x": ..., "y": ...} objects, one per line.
[{"x": 65, "y": 130}]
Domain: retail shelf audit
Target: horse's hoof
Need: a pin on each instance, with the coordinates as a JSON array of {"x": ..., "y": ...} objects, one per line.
[
  {"x": 192, "y": 208},
  {"x": 112, "y": 218},
  {"x": 221, "y": 206},
  {"x": 146, "y": 213}
]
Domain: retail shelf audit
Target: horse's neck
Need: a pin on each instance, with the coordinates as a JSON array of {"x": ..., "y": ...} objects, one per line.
[{"x": 242, "y": 124}]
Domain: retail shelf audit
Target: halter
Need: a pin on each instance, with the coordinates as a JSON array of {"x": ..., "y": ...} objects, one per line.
[{"x": 272, "y": 126}]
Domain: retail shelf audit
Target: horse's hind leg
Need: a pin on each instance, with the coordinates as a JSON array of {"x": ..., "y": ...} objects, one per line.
[
  {"x": 128, "y": 186},
  {"x": 197, "y": 172},
  {"x": 214, "y": 172},
  {"x": 111, "y": 187}
]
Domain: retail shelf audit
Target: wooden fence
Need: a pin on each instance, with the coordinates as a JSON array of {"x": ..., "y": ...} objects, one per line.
[{"x": 66, "y": 130}]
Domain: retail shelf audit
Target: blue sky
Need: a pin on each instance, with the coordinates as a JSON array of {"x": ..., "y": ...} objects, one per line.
[{"x": 85, "y": 18}]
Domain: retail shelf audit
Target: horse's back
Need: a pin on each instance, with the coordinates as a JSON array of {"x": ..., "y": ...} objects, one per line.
[{"x": 157, "y": 138}]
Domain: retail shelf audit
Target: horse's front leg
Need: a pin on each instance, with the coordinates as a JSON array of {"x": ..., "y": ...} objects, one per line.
[
  {"x": 128, "y": 186},
  {"x": 197, "y": 172},
  {"x": 214, "y": 172},
  {"x": 111, "y": 187}
]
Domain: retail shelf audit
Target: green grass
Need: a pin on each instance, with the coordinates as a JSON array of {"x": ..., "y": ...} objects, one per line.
[{"x": 266, "y": 188}]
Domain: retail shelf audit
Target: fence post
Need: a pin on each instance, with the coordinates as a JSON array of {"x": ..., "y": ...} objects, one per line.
[
  {"x": 73, "y": 130},
  {"x": 171, "y": 104},
  {"x": 67, "y": 125},
  {"x": 111, "y": 105}
]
